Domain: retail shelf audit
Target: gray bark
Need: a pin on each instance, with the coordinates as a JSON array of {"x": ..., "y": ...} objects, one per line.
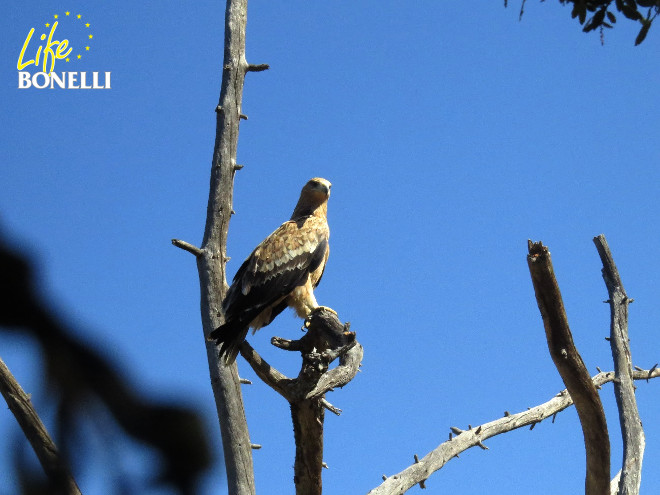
[
  {"x": 474, "y": 436},
  {"x": 211, "y": 265},
  {"x": 212, "y": 256},
  {"x": 624, "y": 389}
]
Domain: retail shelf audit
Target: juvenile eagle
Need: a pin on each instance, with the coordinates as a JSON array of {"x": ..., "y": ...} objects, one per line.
[{"x": 281, "y": 271}]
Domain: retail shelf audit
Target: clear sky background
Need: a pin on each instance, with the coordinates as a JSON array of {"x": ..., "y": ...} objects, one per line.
[{"x": 451, "y": 132}]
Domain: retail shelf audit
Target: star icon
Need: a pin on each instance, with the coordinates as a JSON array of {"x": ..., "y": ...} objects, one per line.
[
  {"x": 90, "y": 36},
  {"x": 67, "y": 13},
  {"x": 67, "y": 59},
  {"x": 47, "y": 24},
  {"x": 79, "y": 16},
  {"x": 87, "y": 48},
  {"x": 55, "y": 16},
  {"x": 87, "y": 25},
  {"x": 79, "y": 56}
]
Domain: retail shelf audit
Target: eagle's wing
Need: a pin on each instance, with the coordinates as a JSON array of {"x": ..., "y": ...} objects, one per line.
[{"x": 278, "y": 265}]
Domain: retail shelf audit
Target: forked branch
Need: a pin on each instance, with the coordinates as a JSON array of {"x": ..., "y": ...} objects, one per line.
[
  {"x": 477, "y": 435},
  {"x": 326, "y": 340},
  {"x": 582, "y": 388}
]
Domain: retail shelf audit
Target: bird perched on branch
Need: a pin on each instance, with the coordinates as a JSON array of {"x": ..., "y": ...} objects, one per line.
[{"x": 281, "y": 271}]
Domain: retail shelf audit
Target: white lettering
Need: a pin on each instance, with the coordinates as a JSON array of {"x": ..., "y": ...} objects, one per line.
[
  {"x": 73, "y": 78},
  {"x": 59, "y": 80},
  {"x": 63, "y": 80},
  {"x": 83, "y": 80},
  {"x": 24, "y": 80},
  {"x": 35, "y": 82}
]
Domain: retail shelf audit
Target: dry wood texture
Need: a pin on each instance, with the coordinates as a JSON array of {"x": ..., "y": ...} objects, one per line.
[
  {"x": 212, "y": 257},
  {"x": 624, "y": 389},
  {"x": 326, "y": 340},
  {"x": 572, "y": 370},
  {"x": 474, "y": 436}
]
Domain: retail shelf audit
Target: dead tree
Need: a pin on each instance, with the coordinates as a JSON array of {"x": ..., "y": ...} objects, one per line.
[
  {"x": 581, "y": 390},
  {"x": 326, "y": 339},
  {"x": 212, "y": 255}
]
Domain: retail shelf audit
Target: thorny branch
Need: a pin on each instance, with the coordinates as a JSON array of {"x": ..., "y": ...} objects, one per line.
[
  {"x": 212, "y": 256},
  {"x": 476, "y": 435},
  {"x": 560, "y": 343},
  {"x": 624, "y": 389}
]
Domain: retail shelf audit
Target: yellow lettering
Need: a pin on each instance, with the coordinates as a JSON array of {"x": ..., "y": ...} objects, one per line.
[
  {"x": 62, "y": 46},
  {"x": 36, "y": 59},
  {"x": 52, "y": 51},
  {"x": 49, "y": 51},
  {"x": 20, "y": 64}
]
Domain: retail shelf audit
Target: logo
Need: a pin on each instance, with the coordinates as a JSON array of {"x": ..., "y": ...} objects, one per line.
[{"x": 43, "y": 58}]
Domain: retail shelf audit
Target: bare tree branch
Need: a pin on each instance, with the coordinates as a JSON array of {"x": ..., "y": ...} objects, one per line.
[
  {"x": 475, "y": 436},
  {"x": 349, "y": 364},
  {"x": 624, "y": 389},
  {"x": 211, "y": 265},
  {"x": 350, "y": 357},
  {"x": 269, "y": 375},
  {"x": 572, "y": 370},
  {"x": 20, "y": 405},
  {"x": 326, "y": 340},
  {"x": 186, "y": 246},
  {"x": 211, "y": 257}
]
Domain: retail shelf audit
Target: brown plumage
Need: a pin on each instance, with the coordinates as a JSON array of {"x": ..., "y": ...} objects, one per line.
[{"x": 281, "y": 271}]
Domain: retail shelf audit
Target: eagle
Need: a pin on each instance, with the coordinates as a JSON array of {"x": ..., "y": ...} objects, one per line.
[{"x": 283, "y": 270}]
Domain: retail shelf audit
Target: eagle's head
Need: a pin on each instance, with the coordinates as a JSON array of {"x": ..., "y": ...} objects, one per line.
[
  {"x": 317, "y": 187},
  {"x": 313, "y": 198}
]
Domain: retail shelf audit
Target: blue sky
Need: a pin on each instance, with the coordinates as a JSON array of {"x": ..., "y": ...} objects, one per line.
[{"x": 451, "y": 134}]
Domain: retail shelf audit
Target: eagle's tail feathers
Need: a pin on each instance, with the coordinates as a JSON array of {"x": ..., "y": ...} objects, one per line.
[
  {"x": 229, "y": 336},
  {"x": 230, "y": 351}
]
